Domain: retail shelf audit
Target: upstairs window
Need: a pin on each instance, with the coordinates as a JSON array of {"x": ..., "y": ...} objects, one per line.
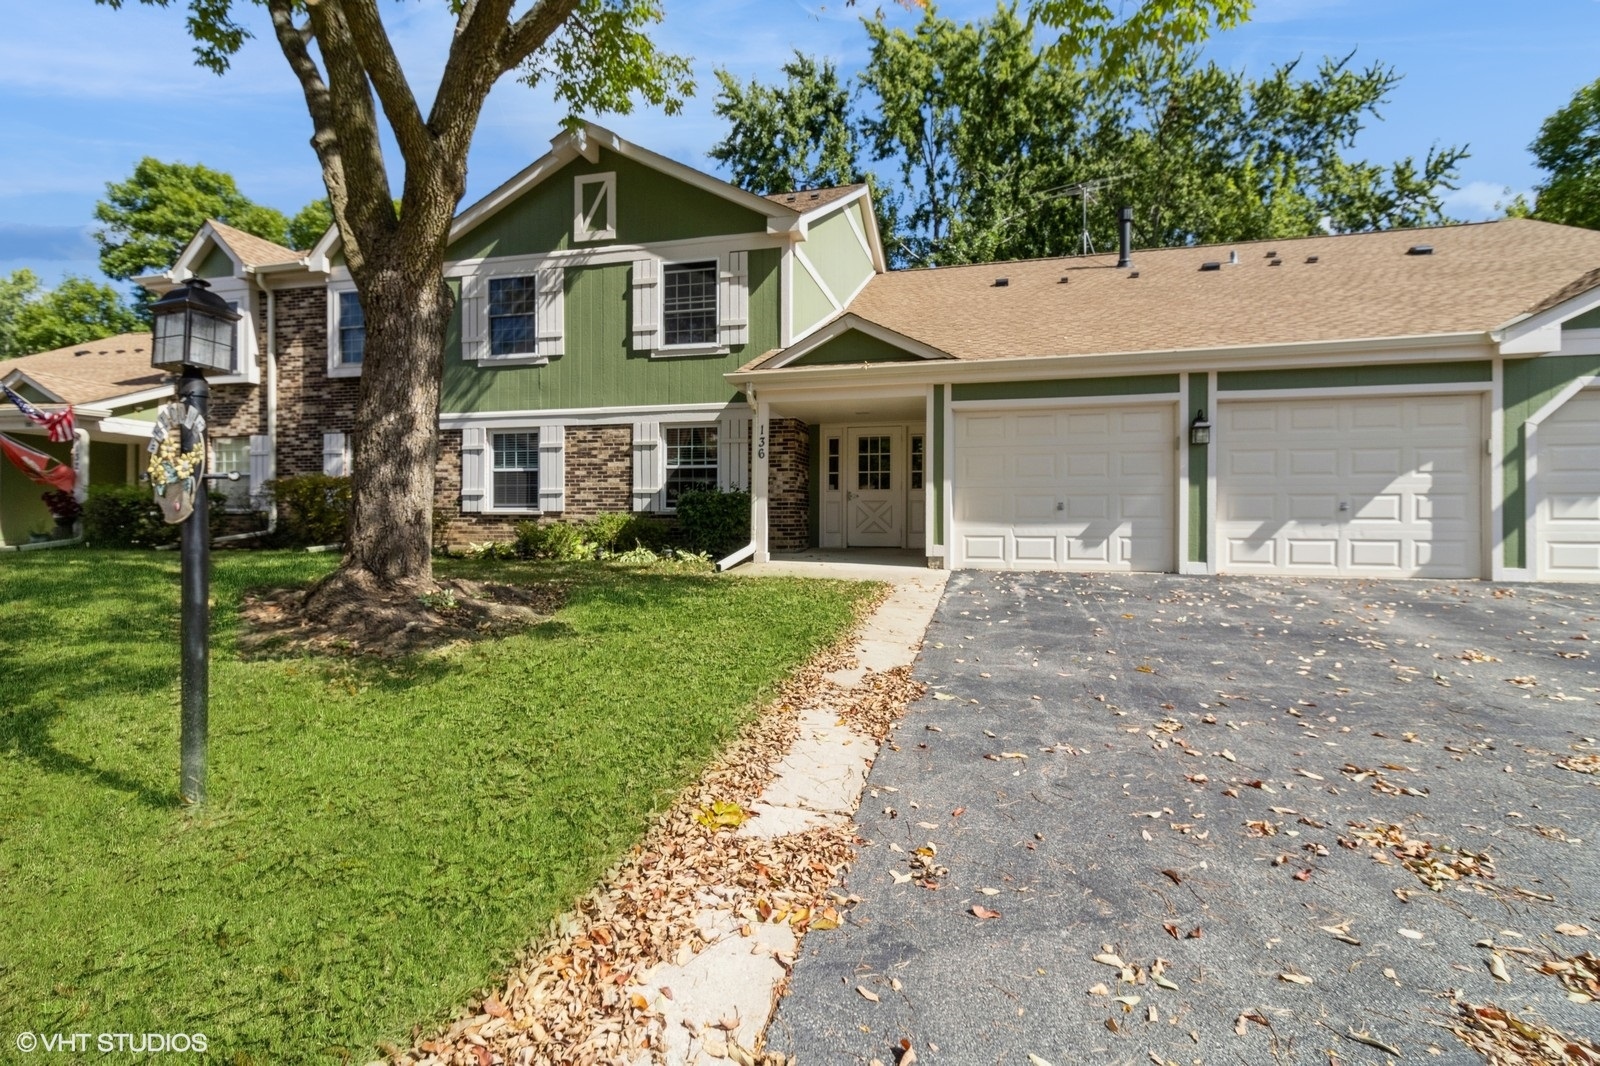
[
  {"x": 231, "y": 455},
  {"x": 516, "y": 471},
  {"x": 689, "y": 303},
  {"x": 691, "y": 460},
  {"x": 352, "y": 324},
  {"x": 513, "y": 310}
]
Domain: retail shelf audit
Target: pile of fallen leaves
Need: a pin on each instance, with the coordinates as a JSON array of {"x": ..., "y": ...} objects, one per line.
[
  {"x": 1583, "y": 764},
  {"x": 1579, "y": 975},
  {"x": 1507, "y": 1040},
  {"x": 567, "y": 1001},
  {"x": 876, "y": 704},
  {"x": 1434, "y": 865}
]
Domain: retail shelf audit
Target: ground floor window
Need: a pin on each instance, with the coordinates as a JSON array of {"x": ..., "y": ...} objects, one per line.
[
  {"x": 691, "y": 460},
  {"x": 916, "y": 461},
  {"x": 516, "y": 471},
  {"x": 231, "y": 455}
]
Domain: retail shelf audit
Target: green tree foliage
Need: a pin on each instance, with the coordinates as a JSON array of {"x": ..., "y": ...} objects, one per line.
[
  {"x": 309, "y": 224},
  {"x": 148, "y": 218},
  {"x": 994, "y": 138},
  {"x": 1568, "y": 150},
  {"x": 792, "y": 136},
  {"x": 34, "y": 319},
  {"x": 594, "y": 56}
]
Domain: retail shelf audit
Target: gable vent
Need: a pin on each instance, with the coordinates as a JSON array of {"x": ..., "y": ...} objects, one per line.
[{"x": 1420, "y": 249}]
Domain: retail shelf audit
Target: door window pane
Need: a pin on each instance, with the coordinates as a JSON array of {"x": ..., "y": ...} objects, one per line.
[{"x": 872, "y": 463}]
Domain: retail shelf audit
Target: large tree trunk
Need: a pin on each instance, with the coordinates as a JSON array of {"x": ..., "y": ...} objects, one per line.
[{"x": 390, "y": 543}]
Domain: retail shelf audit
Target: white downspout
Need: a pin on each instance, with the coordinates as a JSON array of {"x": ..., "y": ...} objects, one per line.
[{"x": 748, "y": 550}]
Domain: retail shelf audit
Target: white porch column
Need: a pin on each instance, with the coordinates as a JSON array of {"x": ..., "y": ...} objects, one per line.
[{"x": 760, "y": 461}]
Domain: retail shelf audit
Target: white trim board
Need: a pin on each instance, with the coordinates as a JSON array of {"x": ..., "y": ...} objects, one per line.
[
  {"x": 1335, "y": 392},
  {"x": 583, "y": 416},
  {"x": 1118, "y": 399}
]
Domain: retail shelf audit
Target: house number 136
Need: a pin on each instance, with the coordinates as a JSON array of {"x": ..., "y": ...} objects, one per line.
[{"x": 761, "y": 443}]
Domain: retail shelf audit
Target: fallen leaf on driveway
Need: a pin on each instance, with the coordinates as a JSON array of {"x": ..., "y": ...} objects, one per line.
[
  {"x": 1472, "y": 655},
  {"x": 1411, "y": 934},
  {"x": 1110, "y": 959},
  {"x": 1226, "y": 754},
  {"x": 1497, "y": 966},
  {"x": 1249, "y": 1016},
  {"x": 981, "y": 912},
  {"x": 1583, "y": 764},
  {"x": 1295, "y": 978},
  {"x": 1034, "y": 1060},
  {"x": 1569, "y": 929},
  {"x": 867, "y": 994},
  {"x": 943, "y": 696},
  {"x": 1525, "y": 681}
]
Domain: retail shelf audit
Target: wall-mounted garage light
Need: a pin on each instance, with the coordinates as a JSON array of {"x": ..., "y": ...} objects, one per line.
[{"x": 1200, "y": 429}]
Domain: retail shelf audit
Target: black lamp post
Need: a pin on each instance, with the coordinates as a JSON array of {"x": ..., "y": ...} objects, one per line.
[{"x": 192, "y": 332}]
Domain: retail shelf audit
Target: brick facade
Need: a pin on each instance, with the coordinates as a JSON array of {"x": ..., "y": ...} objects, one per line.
[
  {"x": 599, "y": 462},
  {"x": 788, "y": 486},
  {"x": 310, "y": 403}
]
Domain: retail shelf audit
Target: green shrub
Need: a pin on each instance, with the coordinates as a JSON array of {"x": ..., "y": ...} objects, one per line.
[
  {"x": 126, "y": 516},
  {"x": 618, "y": 531},
  {"x": 312, "y": 509},
  {"x": 713, "y": 522},
  {"x": 557, "y": 541}
]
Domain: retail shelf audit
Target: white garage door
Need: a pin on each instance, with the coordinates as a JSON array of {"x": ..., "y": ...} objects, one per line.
[
  {"x": 1567, "y": 530},
  {"x": 1372, "y": 487},
  {"x": 1075, "y": 489}
]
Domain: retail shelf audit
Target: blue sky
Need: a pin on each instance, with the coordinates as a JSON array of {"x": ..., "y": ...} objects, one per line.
[{"x": 87, "y": 91}]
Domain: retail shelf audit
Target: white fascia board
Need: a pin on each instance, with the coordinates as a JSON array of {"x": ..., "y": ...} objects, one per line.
[
  {"x": 1435, "y": 348},
  {"x": 844, "y": 323},
  {"x": 583, "y": 416},
  {"x": 17, "y": 377},
  {"x": 189, "y": 258},
  {"x": 683, "y": 249},
  {"x": 587, "y": 142},
  {"x": 163, "y": 392},
  {"x": 126, "y": 427},
  {"x": 157, "y": 284},
  {"x": 862, "y": 196},
  {"x": 318, "y": 259},
  {"x": 1540, "y": 334}
]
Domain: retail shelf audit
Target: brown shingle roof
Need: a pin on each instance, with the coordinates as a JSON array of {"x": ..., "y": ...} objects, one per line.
[
  {"x": 1479, "y": 277},
  {"x": 255, "y": 251},
  {"x": 806, "y": 199},
  {"x": 94, "y": 371}
]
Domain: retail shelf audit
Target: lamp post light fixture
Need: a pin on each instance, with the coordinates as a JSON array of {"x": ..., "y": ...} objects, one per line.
[
  {"x": 1200, "y": 429},
  {"x": 192, "y": 331}
]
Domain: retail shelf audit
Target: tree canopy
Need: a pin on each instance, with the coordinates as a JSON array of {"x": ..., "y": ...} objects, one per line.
[
  {"x": 1004, "y": 149},
  {"x": 1568, "y": 150},
  {"x": 35, "y": 319},
  {"x": 149, "y": 217}
]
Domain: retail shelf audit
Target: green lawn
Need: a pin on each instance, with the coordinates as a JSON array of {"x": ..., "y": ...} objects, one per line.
[{"x": 380, "y": 838}]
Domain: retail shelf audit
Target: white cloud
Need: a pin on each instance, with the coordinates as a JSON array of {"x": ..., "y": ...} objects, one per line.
[{"x": 1478, "y": 201}]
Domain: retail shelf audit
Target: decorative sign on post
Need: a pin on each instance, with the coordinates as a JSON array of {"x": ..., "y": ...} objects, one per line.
[{"x": 175, "y": 474}]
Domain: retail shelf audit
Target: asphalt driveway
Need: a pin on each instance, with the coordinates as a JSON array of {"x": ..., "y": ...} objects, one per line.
[{"x": 1257, "y": 783}]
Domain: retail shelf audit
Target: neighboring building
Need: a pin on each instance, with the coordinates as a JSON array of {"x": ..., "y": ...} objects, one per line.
[
  {"x": 1405, "y": 403},
  {"x": 114, "y": 393}
]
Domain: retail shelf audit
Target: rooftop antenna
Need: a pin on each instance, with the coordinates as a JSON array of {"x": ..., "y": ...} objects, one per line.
[{"x": 1088, "y": 192}]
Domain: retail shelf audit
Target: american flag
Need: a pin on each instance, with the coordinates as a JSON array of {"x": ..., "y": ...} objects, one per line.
[{"x": 58, "y": 427}]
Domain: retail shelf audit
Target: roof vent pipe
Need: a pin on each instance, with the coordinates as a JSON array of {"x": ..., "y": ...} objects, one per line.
[{"x": 1125, "y": 238}]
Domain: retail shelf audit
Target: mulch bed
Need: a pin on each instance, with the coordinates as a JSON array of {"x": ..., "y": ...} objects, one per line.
[{"x": 396, "y": 625}]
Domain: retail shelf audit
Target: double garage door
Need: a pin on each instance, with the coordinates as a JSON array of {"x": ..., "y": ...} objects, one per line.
[{"x": 1373, "y": 487}]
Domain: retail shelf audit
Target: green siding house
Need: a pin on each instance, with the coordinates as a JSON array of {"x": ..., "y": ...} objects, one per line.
[{"x": 1420, "y": 403}]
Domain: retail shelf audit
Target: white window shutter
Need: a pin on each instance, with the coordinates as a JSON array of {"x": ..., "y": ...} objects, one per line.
[
  {"x": 474, "y": 319},
  {"x": 260, "y": 463},
  {"x": 335, "y": 455},
  {"x": 552, "y": 311},
  {"x": 646, "y": 305},
  {"x": 474, "y": 479},
  {"x": 733, "y": 298},
  {"x": 552, "y": 468},
  {"x": 334, "y": 354},
  {"x": 649, "y": 465},
  {"x": 733, "y": 451}
]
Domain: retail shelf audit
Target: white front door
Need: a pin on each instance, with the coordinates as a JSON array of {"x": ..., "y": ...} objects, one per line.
[
  {"x": 875, "y": 491},
  {"x": 1566, "y": 530}
]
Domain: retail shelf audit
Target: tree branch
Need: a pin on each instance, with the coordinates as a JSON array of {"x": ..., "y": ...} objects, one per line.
[
  {"x": 389, "y": 80},
  {"x": 532, "y": 30}
]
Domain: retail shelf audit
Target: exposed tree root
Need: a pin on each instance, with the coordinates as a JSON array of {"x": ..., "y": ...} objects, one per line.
[{"x": 351, "y": 613}]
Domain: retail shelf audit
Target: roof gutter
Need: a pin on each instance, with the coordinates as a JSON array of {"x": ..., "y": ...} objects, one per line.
[{"x": 1437, "y": 347}]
